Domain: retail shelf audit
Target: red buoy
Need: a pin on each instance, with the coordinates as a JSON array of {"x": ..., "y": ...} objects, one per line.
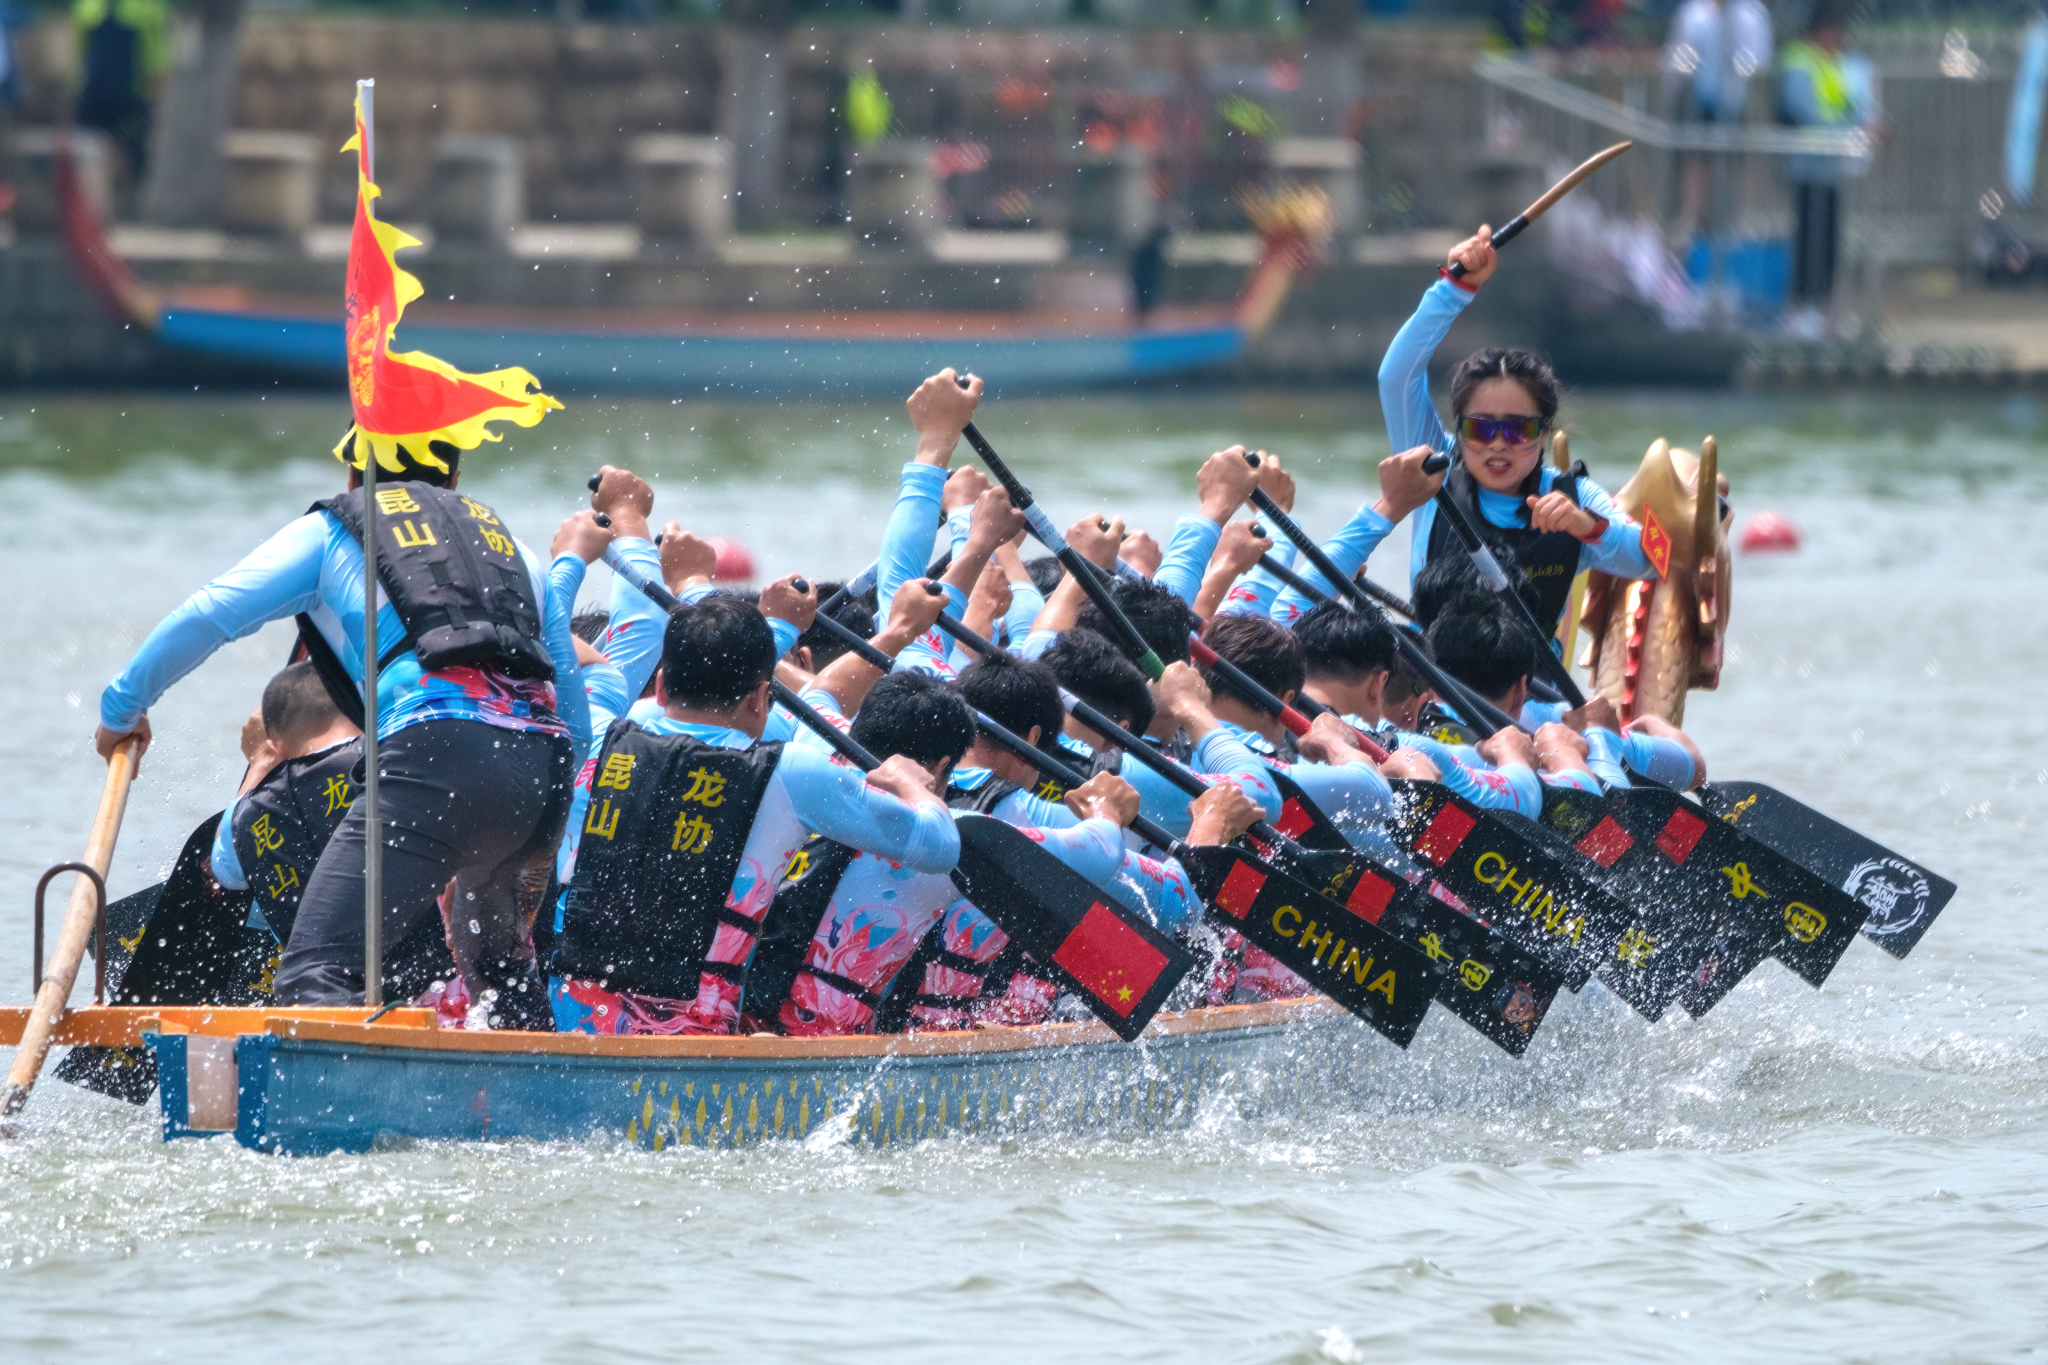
[
  {"x": 1770, "y": 531},
  {"x": 735, "y": 561}
]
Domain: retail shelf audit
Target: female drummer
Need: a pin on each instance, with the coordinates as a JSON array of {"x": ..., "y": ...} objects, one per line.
[{"x": 1503, "y": 404}]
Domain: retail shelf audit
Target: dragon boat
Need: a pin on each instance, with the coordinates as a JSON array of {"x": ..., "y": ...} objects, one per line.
[{"x": 308, "y": 1081}]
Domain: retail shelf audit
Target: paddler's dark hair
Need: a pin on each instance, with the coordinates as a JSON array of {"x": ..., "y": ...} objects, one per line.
[
  {"x": 1156, "y": 610},
  {"x": 296, "y": 706},
  {"x": 715, "y": 652},
  {"x": 1526, "y": 368},
  {"x": 1484, "y": 645},
  {"x": 1016, "y": 694},
  {"x": 1097, "y": 672},
  {"x": 414, "y": 471},
  {"x": 916, "y": 715},
  {"x": 1340, "y": 642},
  {"x": 826, "y": 647},
  {"x": 590, "y": 624},
  {"x": 1264, "y": 650},
  {"x": 1045, "y": 574}
]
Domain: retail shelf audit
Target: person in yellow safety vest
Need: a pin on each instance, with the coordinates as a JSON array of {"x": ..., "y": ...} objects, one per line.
[
  {"x": 127, "y": 50},
  {"x": 1819, "y": 87}
]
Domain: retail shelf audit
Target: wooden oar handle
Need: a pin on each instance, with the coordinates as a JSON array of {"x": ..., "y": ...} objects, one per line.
[{"x": 81, "y": 916}]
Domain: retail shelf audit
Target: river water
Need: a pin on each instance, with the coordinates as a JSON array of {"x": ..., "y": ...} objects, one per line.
[{"x": 1859, "y": 1172}]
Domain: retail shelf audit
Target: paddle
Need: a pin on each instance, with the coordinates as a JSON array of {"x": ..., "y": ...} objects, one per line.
[
  {"x": 1902, "y": 896},
  {"x": 1569, "y": 918},
  {"x": 1048, "y": 535},
  {"x": 1498, "y": 989},
  {"x": 80, "y": 916},
  {"x": 1353, "y": 980},
  {"x": 1357, "y": 979},
  {"x": 1121, "y": 965},
  {"x": 1660, "y": 850},
  {"x": 1516, "y": 225},
  {"x": 1487, "y": 981}
]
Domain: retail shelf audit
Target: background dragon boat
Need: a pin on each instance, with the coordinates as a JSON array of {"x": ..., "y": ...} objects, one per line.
[{"x": 750, "y": 354}]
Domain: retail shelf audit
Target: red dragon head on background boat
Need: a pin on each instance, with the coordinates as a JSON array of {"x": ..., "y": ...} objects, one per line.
[{"x": 1651, "y": 640}]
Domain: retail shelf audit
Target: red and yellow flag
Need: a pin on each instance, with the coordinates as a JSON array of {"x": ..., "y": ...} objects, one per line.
[{"x": 410, "y": 399}]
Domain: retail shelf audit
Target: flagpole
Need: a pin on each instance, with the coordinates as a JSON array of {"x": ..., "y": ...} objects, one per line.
[{"x": 373, "y": 846}]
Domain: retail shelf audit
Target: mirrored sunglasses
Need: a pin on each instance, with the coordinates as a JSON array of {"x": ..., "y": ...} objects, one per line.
[{"x": 1513, "y": 430}]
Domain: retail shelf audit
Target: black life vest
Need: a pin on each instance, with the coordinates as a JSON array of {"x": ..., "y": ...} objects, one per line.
[
  {"x": 661, "y": 841},
  {"x": 802, "y": 897},
  {"x": 1433, "y": 722},
  {"x": 1548, "y": 560},
  {"x": 454, "y": 576},
  {"x": 283, "y": 825}
]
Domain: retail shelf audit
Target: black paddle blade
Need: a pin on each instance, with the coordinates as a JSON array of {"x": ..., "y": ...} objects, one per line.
[
  {"x": 1903, "y": 897},
  {"x": 1115, "y": 959},
  {"x": 1675, "y": 926},
  {"x": 1504, "y": 872},
  {"x": 1486, "y": 980},
  {"x": 1339, "y": 951},
  {"x": 1789, "y": 913},
  {"x": 1301, "y": 820}
]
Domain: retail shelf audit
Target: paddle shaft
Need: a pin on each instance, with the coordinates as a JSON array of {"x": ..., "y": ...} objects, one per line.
[
  {"x": 1482, "y": 713},
  {"x": 1070, "y": 559},
  {"x": 1497, "y": 579},
  {"x": 1515, "y": 226},
  {"x": 80, "y": 917},
  {"x": 373, "y": 850},
  {"x": 1390, "y": 600},
  {"x": 1123, "y": 739}
]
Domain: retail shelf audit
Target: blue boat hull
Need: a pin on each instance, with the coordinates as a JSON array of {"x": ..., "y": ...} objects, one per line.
[
  {"x": 724, "y": 363},
  {"x": 306, "y": 1095}
]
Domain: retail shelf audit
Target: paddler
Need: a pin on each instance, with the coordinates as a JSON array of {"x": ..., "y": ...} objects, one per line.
[
  {"x": 1504, "y": 401},
  {"x": 691, "y": 820},
  {"x": 301, "y": 783},
  {"x": 475, "y": 754},
  {"x": 867, "y": 914}
]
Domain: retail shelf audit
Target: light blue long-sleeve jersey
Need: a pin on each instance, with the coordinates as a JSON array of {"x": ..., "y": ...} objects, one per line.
[
  {"x": 315, "y": 566},
  {"x": 1412, "y": 421},
  {"x": 1257, "y": 592},
  {"x": 1612, "y": 756},
  {"x": 1187, "y": 557}
]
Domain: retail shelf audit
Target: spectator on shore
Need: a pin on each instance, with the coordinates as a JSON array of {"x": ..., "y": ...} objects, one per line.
[
  {"x": 1714, "y": 47},
  {"x": 1820, "y": 87},
  {"x": 126, "y": 51}
]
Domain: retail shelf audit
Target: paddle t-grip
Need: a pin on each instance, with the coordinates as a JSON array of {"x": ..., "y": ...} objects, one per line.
[
  {"x": 596, "y": 482},
  {"x": 1437, "y": 463},
  {"x": 1508, "y": 232},
  {"x": 602, "y": 520}
]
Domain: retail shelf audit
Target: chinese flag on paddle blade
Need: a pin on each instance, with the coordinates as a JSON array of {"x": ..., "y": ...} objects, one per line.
[
  {"x": 1111, "y": 959},
  {"x": 411, "y": 399}
]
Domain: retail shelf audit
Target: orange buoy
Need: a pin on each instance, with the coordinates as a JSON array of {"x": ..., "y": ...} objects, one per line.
[
  {"x": 735, "y": 561},
  {"x": 1770, "y": 531}
]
